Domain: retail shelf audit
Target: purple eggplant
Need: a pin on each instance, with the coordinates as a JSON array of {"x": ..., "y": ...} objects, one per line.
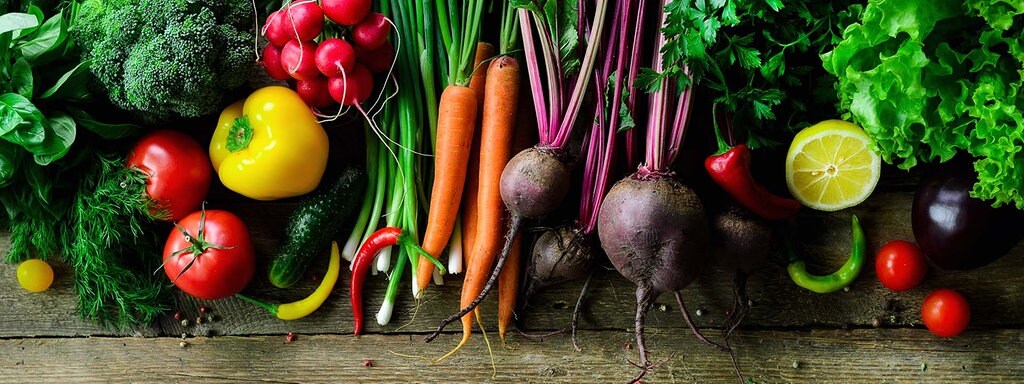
[{"x": 955, "y": 230}]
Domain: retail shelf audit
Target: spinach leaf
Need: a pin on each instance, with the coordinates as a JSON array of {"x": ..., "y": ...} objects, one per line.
[{"x": 107, "y": 131}]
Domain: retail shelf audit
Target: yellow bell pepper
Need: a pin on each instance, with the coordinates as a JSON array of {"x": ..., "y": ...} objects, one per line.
[{"x": 269, "y": 146}]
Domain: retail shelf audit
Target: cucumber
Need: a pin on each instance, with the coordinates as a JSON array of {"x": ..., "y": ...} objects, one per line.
[{"x": 312, "y": 226}]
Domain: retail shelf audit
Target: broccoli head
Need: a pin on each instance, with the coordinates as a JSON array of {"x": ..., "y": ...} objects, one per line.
[{"x": 167, "y": 58}]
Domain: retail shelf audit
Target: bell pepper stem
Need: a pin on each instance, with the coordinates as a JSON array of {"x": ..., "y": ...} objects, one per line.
[
  {"x": 240, "y": 135},
  {"x": 723, "y": 146},
  {"x": 272, "y": 308}
]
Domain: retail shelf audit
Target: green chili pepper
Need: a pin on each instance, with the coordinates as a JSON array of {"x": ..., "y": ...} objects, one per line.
[{"x": 838, "y": 279}]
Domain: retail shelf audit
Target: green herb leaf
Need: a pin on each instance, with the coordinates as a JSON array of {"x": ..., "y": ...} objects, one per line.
[
  {"x": 10, "y": 158},
  {"x": 59, "y": 137},
  {"x": 48, "y": 37},
  {"x": 107, "y": 131},
  {"x": 21, "y": 78},
  {"x": 17, "y": 21},
  {"x": 73, "y": 85}
]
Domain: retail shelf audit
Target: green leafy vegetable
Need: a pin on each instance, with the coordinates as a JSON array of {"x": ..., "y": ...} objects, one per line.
[
  {"x": 928, "y": 83},
  {"x": 758, "y": 59}
]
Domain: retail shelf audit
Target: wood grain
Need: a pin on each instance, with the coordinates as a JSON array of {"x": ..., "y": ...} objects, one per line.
[
  {"x": 820, "y": 356},
  {"x": 994, "y": 291}
]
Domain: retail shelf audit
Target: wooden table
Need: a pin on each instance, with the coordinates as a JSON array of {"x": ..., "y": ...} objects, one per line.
[{"x": 864, "y": 335}]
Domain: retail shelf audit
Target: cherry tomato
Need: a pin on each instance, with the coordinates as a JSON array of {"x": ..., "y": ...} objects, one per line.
[
  {"x": 945, "y": 312},
  {"x": 900, "y": 265},
  {"x": 35, "y": 275},
  {"x": 217, "y": 262},
  {"x": 178, "y": 169}
]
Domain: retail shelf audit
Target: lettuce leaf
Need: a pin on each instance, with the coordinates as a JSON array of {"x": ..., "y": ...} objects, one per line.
[{"x": 930, "y": 80}]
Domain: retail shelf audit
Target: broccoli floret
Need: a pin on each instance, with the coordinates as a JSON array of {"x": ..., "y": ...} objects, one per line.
[{"x": 167, "y": 58}]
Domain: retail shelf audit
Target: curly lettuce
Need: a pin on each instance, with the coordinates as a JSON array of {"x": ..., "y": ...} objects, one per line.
[{"x": 930, "y": 80}]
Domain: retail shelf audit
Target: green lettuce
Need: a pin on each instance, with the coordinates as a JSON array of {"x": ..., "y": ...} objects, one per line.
[{"x": 930, "y": 80}]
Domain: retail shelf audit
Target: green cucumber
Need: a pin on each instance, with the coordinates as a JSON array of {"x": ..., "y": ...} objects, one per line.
[{"x": 313, "y": 225}]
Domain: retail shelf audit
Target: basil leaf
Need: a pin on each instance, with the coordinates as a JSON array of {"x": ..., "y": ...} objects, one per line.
[
  {"x": 59, "y": 137},
  {"x": 40, "y": 182},
  {"x": 72, "y": 85},
  {"x": 21, "y": 78},
  {"x": 17, "y": 21},
  {"x": 9, "y": 119},
  {"x": 27, "y": 115},
  {"x": 9, "y": 160},
  {"x": 107, "y": 131},
  {"x": 48, "y": 37}
]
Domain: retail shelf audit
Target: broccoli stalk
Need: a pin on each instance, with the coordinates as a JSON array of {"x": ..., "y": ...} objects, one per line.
[{"x": 163, "y": 59}]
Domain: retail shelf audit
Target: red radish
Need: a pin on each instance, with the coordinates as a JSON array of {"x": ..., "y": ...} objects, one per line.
[
  {"x": 272, "y": 63},
  {"x": 378, "y": 60},
  {"x": 306, "y": 20},
  {"x": 314, "y": 92},
  {"x": 275, "y": 30},
  {"x": 298, "y": 59},
  {"x": 372, "y": 32},
  {"x": 333, "y": 55},
  {"x": 356, "y": 87},
  {"x": 346, "y": 12}
]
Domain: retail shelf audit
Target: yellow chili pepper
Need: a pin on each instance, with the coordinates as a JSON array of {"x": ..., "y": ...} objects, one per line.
[
  {"x": 302, "y": 308},
  {"x": 269, "y": 146}
]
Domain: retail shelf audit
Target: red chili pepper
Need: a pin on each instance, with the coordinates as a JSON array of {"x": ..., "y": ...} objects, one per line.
[
  {"x": 731, "y": 171},
  {"x": 383, "y": 238}
]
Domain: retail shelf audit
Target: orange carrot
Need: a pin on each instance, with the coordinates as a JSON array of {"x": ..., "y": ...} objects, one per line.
[
  {"x": 500, "y": 107},
  {"x": 455, "y": 122},
  {"x": 508, "y": 286},
  {"x": 508, "y": 281},
  {"x": 484, "y": 51}
]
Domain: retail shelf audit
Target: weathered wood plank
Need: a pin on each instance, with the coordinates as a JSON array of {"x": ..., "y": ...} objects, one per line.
[
  {"x": 820, "y": 356},
  {"x": 994, "y": 290}
]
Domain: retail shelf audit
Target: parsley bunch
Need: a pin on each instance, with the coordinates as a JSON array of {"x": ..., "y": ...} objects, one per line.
[{"x": 758, "y": 59}]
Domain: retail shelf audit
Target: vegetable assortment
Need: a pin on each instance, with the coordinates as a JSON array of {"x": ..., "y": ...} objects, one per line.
[{"x": 453, "y": 183}]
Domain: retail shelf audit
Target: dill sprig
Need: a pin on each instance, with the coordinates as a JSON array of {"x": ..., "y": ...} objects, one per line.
[{"x": 111, "y": 245}]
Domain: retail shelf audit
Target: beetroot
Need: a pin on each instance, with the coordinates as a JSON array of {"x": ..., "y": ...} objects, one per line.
[
  {"x": 743, "y": 241},
  {"x": 560, "y": 255},
  {"x": 654, "y": 230}
]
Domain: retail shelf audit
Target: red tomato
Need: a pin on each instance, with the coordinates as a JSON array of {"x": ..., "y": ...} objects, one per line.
[
  {"x": 945, "y": 312},
  {"x": 221, "y": 256},
  {"x": 178, "y": 168},
  {"x": 900, "y": 265}
]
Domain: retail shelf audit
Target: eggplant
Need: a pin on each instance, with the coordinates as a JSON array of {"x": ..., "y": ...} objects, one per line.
[{"x": 955, "y": 230}]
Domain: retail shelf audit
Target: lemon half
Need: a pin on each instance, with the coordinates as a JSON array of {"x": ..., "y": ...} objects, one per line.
[{"x": 831, "y": 166}]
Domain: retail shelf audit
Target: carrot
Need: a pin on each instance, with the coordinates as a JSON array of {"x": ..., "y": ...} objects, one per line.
[
  {"x": 508, "y": 287},
  {"x": 524, "y": 137},
  {"x": 484, "y": 51},
  {"x": 455, "y": 122},
  {"x": 500, "y": 106}
]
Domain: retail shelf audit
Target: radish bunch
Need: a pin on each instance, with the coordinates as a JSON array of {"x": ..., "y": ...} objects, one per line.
[{"x": 328, "y": 64}]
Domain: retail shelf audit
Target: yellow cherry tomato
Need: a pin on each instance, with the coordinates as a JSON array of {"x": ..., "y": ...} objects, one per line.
[
  {"x": 269, "y": 146},
  {"x": 35, "y": 275}
]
